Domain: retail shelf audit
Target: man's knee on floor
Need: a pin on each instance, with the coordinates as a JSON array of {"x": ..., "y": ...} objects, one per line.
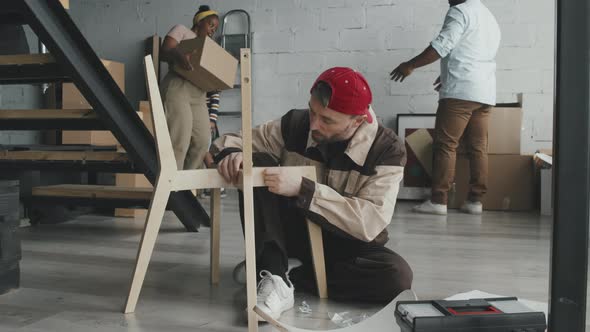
[{"x": 399, "y": 278}]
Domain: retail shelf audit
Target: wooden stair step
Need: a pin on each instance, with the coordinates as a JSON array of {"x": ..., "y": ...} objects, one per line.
[
  {"x": 48, "y": 114},
  {"x": 31, "y": 68},
  {"x": 65, "y": 157},
  {"x": 93, "y": 192},
  {"x": 32, "y": 119},
  {"x": 26, "y": 59}
]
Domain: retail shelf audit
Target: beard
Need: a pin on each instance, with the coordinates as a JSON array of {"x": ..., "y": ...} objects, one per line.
[{"x": 321, "y": 139}]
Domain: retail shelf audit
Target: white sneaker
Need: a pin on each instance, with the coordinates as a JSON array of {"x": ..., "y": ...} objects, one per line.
[
  {"x": 239, "y": 273},
  {"x": 430, "y": 208},
  {"x": 274, "y": 296},
  {"x": 472, "y": 207}
]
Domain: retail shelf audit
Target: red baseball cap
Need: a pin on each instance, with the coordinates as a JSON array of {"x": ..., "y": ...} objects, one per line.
[{"x": 351, "y": 93}]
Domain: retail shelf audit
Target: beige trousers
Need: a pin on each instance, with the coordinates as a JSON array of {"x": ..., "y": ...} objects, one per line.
[{"x": 188, "y": 120}]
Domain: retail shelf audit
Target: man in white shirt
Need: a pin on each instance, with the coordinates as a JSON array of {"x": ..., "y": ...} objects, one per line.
[{"x": 467, "y": 46}]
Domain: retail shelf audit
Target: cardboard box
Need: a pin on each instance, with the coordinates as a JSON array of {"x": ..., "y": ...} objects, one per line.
[
  {"x": 135, "y": 181},
  {"x": 504, "y": 129},
  {"x": 132, "y": 180},
  {"x": 146, "y": 113},
  {"x": 214, "y": 67},
  {"x": 91, "y": 137},
  {"x": 511, "y": 183},
  {"x": 72, "y": 97},
  {"x": 130, "y": 213}
]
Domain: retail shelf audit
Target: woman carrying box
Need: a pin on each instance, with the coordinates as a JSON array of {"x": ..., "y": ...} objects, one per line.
[{"x": 191, "y": 113}]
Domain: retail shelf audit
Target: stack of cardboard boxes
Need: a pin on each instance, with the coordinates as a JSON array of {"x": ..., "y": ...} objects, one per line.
[
  {"x": 511, "y": 180},
  {"x": 135, "y": 180},
  {"x": 73, "y": 99}
]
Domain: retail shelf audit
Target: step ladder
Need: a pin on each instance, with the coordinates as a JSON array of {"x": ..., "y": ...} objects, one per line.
[{"x": 233, "y": 42}]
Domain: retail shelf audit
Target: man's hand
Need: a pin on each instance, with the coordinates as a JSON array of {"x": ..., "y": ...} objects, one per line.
[
  {"x": 402, "y": 71},
  {"x": 208, "y": 160},
  {"x": 229, "y": 167},
  {"x": 280, "y": 182},
  {"x": 437, "y": 84}
]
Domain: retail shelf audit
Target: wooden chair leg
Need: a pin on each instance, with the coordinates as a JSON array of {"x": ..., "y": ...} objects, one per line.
[
  {"x": 249, "y": 240},
  {"x": 148, "y": 240},
  {"x": 319, "y": 263},
  {"x": 215, "y": 234}
]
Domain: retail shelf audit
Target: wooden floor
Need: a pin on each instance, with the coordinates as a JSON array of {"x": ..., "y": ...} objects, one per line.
[{"x": 75, "y": 275}]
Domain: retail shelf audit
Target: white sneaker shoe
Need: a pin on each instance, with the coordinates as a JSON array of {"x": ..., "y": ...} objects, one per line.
[
  {"x": 472, "y": 207},
  {"x": 274, "y": 296},
  {"x": 430, "y": 208},
  {"x": 239, "y": 273}
]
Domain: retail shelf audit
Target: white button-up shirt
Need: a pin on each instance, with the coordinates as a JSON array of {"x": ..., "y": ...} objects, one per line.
[{"x": 467, "y": 44}]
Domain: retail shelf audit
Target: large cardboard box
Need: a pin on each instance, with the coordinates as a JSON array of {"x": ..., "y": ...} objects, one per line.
[
  {"x": 92, "y": 137},
  {"x": 72, "y": 98},
  {"x": 511, "y": 183},
  {"x": 89, "y": 137},
  {"x": 132, "y": 180},
  {"x": 213, "y": 67},
  {"x": 505, "y": 126},
  {"x": 146, "y": 113}
]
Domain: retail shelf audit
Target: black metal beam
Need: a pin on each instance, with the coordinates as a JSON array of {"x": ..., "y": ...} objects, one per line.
[
  {"x": 37, "y": 73},
  {"x": 12, "y": 18},
  {"x": 569, "y": 260},
  {"x": 66, "y": 43}
]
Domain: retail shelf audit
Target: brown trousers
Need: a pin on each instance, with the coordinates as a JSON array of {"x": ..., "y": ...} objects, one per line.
[
  {"x": 456, "y": 118},
  {"x": 188, "y": 120}
]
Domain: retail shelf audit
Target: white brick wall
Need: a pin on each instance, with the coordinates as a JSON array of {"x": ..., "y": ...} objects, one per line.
[
  {"x": 373, "y": 36},
  {"x": 294, "y": 40}
]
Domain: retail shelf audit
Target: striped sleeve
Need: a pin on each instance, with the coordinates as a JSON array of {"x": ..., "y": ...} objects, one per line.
[{"x": 213, "y": 105}]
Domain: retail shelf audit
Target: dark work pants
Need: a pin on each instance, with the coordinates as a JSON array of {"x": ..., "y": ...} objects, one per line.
[{"x": 355, "y": 270}]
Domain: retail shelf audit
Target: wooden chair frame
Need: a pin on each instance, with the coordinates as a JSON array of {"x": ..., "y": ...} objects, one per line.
[{"x": 171, "y": 179}]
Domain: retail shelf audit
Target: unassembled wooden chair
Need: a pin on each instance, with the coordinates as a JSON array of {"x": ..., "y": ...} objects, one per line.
[{"x": 171, "y": 179}]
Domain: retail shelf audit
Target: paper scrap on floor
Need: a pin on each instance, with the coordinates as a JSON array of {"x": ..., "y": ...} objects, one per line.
[{"x": 477, "y": 294}]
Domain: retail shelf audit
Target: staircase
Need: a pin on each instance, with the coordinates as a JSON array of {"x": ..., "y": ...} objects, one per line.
[{"x": 72, "y": 59}]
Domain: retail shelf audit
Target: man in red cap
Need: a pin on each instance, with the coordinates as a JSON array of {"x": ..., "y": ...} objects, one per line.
[{"x": 359, "y": 166}]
